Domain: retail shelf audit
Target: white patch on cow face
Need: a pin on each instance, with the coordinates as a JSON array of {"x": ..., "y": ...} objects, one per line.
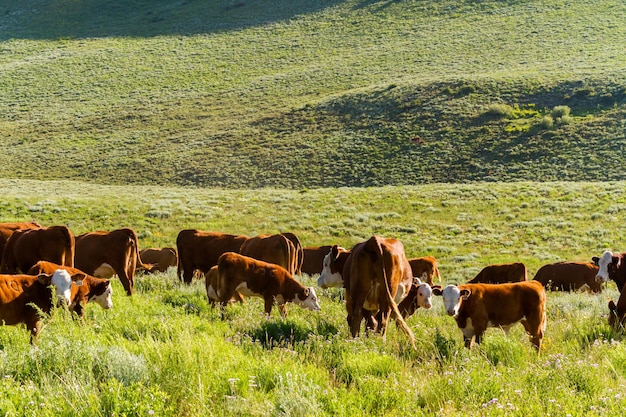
[
  {"x": 104, "y": 300},
  {"x": 424, "y": 296},
  {"x": 451, "y": 300},
  {"x": 62, "y": 282},
  {"x": 327, "y": 279},
  {"x": 603, "y": 266},
  {"x": 104, "y": 271},
  {"x": 310, "y": 302}
]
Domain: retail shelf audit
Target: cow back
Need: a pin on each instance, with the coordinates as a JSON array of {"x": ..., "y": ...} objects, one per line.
[{"x": 569, "y": 276}]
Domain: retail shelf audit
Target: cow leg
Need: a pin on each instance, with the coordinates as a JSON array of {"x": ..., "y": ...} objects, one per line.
[
  {"x": 127, "y": 281},
  {"x": 283, "y": 310},
  {"x": 384, "y": 319},
  {"x": 269, "y": 302},
  {"x": 371, "y": 322}
]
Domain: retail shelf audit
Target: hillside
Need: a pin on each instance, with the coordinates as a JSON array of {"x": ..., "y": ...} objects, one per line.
[{"x": 304, "y": 94}]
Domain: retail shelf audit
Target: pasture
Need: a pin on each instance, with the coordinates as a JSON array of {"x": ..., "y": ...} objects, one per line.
[{"x": 164, "y": 352}]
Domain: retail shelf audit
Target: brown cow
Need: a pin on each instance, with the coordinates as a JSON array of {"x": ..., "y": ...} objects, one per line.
[
  {"x": 313, "y": 259},
  {"x": 104, "y": 254},
  {"x": 299, "y": 254},
  {"x": 210, "y": 282},
  {"x": 24, "y": 297},
  {"x": 26, "y": 247},
  {"x": 7, "y": 229},
  {"x": 254, "y": 278},
  {"x": 275, "y": 249},
  {"x": 425, "y": 268},
  {"x": 377, "y": 276},
  {"x": 160, "y": 259},
  {"x": 199, "y": 250},
  {"x": 500, "y": 274},
  {"x": 92, "y": 288},
  {"x": 479, "y": 306},
  {"x": 569, "y": 276}
]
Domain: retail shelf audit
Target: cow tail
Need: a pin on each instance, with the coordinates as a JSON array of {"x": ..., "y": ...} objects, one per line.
[
  {"x": 396, "y": 312},
  {"x": 437, "y": 274},
  {"x": 70, "y": 245}
]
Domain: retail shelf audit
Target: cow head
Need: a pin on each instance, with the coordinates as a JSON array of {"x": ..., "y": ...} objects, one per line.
[
  {"x": 103, "y": 295},
  {"x": 453, "y": 296},
  {"x": 607, "y": 266},
  {"x": 308, "y": 300},
  {"x": 424, "y": 293},
  {"x": 330, "y": 276},
  {"x": 62, "y": 282}
]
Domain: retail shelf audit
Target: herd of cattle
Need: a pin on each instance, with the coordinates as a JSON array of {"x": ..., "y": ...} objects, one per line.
[{"x": 380, "y": 282}]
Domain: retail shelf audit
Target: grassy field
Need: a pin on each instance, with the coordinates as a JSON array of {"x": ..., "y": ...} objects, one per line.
[
  {"x": 165, "y": 352},
  {"x": 307, "y": 94}
]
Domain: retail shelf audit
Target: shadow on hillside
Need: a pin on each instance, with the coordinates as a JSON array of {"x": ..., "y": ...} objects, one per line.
[{"x": 58, "y": 19}]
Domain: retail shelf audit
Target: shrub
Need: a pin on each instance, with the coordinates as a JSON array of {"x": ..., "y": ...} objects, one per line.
[
  {"x": 559, "y": 112},
  {"x": 499, "y": 110},
  {"x": 546, "y": 122}
]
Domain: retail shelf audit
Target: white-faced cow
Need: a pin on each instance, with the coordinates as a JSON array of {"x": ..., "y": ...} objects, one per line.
[
  {"x": 611, "y": 267},
  {"x": 476, "y": 307},
  {"x": 254, "y": 278}
]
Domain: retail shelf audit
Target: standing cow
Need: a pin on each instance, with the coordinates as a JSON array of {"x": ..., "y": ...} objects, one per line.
[
  {"x": 500, "y": 274},
  {"x": 569, "y": 276},
  {"x": 26, "y": 247}
]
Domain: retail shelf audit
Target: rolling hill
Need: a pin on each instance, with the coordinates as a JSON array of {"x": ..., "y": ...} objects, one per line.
[{"x": 306, "y": 94}]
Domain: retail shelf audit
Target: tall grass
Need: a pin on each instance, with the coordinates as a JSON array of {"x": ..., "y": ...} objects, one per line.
[{"x": 164, "y": 351}]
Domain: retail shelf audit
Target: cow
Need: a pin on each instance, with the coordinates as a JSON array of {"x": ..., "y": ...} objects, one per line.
[
  {"x": 617, "y": 312},
  {"x": 425, "y": 268},
  {"x": 275, "y": 249},
  {"x": 333, "y": 265},
  {"x": 210, "y": 282},
  {"x": 500, "y": 274},
  {"x": 476, "y": 307},
  {"x": 313, "y": 259},
  {"x": 254, "y": 278},
  {"x": 104, "y": 254},
  {"x": 611, "y": 267},
  {"x": 377, "y": 276},
  {"x": 299, "y": 252},
  {"x": 24, "y": 297},
  {"x": 159, "y": 259},
  {"x": 200, "y": 250},
  {"x": 28, "y": 246},
  {"x": 7, "y": 229},
  {"x": 92, "y": 288},
  {"x": 569, "y": 276}
]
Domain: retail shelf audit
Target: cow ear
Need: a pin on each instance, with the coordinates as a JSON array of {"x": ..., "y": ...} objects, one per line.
[
  {"x": 612, "y": 306},
  {"x": 78, "y": 282},
  {"x": 334, "y": 251},
  {"x": 437, "y": 290},
  {"x": 465, "y": 293},
  {"x": 307, "y": 292},
  {"x": 616, "y": 261},
  {"x": 595, "y": 260},
  {"x": 43, "y": 278},
  {"x": 417, "y": 281}
]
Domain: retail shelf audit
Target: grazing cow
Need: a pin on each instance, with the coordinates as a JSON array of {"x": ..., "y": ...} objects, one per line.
[
  {"x": 199, "y": 250},
  {"x": 313, "y": 259},
  {"x": 569, "y": 276},
  {"x": 377, "y": 276},
  {"x": 160, "y": 259},
  {"x": 104, "y": 254},
  {"x": 500, "y": 274},
  {"x": 610, "y": 266},
  {"x": 91, "y": 289},
  {"x": 26, "y": 247},
  {"x": 7, "y": 229},
  {"x": 425, "y": 268},
  {"x": 299, "y": 252},
  {"x": 211, "y": 281},
  {"x": 479, "y": 306},
  {"x": 275, "y": 249},
  {"x": 24, "y": 297},
  {"x": 254, "y": 278}
]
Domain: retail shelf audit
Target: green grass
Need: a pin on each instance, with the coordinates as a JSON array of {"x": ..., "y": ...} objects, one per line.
[
  {"x": 300, "y": 94},
  {"x": 165, "y": 352}
]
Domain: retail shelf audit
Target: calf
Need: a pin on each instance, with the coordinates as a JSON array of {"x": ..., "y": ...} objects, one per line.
[
  {"x": 158, "y": 259},
  {"x": 420, "y": 295},
  {"x": 91, "y": 289},
  {"x": 23, "y": 297},
  {"x": 479, "y": 306},
  {"x": 500, "y": 274},
  {"x": 569, "y": 276},
  {"x": 254, "y": 278}
]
